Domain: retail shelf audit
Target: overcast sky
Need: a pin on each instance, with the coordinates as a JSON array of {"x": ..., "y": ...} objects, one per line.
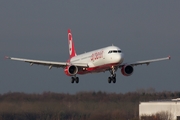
[{"x": 37, "y": 29}]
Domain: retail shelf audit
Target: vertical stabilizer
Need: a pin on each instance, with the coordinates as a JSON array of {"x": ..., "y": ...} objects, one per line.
[{"x": 72, "y": 51}]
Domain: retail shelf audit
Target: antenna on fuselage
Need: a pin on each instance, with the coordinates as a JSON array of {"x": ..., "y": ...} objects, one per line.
[{"x": 112, "y": 44}]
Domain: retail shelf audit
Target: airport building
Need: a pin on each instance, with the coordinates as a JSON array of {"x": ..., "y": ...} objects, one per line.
[{"x": 169, "y": 106}]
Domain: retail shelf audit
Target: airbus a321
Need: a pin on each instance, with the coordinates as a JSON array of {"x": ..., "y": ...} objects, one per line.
[{"x": 104, "y": 59}]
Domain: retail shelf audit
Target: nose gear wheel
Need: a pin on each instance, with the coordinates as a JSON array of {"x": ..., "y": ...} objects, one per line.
[{"x": 112, "y": 78}]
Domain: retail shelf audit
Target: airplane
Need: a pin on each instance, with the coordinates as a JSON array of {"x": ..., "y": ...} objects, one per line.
[{"x": 104, "y": 59}]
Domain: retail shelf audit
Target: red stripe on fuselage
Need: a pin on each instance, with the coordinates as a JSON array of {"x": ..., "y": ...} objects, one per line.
[{"x": 101, "y": 68}]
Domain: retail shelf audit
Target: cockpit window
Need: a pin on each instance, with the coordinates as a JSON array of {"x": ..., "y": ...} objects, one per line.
[{"x": 114, "y": 51}]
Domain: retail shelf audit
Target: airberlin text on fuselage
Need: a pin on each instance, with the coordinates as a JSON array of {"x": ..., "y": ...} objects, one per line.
[{"x": 97, "y": 55}]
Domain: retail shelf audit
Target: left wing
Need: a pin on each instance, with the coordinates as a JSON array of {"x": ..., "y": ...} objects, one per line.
[
  {"x": 46, "y": 63},
  {"x": 147, "y": 62}
]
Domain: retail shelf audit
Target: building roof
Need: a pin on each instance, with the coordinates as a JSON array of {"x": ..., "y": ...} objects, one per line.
[{"x": 165, "y": 100}]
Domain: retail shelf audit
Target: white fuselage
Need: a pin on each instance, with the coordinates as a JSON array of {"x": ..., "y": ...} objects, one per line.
[{"x": 99, "y": 60}]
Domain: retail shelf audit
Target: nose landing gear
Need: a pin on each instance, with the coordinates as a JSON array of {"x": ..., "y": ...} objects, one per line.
[{"x": 112, "y": 78}]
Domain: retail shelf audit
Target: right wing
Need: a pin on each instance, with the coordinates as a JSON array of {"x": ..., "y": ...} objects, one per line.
[
  {"x": 46, "y": 63},
  {"x": 147, "y": 62}
]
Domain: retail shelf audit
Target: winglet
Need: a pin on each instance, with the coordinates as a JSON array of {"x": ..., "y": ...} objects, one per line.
[
  {"x": 169, "y": 57},
  {"x": 6, "y": 57}
]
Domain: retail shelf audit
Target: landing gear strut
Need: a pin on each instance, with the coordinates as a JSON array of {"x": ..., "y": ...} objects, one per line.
[
  {"x": 113, "y": 75},
  {"x": 74, "y": 79}
]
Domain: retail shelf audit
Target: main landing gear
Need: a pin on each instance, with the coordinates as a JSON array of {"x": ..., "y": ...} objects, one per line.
[
  {"x": 74, "y": 79},
  {"x": 112, "y": 78}
]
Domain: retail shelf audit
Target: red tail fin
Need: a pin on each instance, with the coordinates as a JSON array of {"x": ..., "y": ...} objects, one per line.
[{"x": 72, "y": 51}]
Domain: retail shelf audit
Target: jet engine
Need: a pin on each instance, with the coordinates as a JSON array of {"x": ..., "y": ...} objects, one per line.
[
  {"x": 127, "y": 70},
  {"x": 71, "y": 70}
]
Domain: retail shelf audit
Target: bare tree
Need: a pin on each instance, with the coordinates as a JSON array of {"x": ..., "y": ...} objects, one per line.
[{"x": 164, "y": 115}]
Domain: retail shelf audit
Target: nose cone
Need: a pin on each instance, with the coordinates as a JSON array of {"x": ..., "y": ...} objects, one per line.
[{"x": 119, "y": 58}]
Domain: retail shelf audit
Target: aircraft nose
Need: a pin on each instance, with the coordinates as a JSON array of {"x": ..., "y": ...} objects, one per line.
[{"x": 119, "y": 58}]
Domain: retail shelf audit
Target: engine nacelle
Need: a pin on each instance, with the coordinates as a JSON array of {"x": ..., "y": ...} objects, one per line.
[
  {"x": 127, "y": 70},
  {"x": 71, "y": 70}
]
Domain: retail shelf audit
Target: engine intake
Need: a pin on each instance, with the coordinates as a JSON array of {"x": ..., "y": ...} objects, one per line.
[
  {"x": 71, "y": 70},
  {"x": 127, "y": 70}
]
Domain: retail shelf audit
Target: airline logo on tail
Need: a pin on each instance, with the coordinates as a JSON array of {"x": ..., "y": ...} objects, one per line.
[{"x": 72, "y": 51}]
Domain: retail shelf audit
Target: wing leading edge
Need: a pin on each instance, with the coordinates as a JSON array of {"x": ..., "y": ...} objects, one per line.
[{"x": 147, "y": 62}]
